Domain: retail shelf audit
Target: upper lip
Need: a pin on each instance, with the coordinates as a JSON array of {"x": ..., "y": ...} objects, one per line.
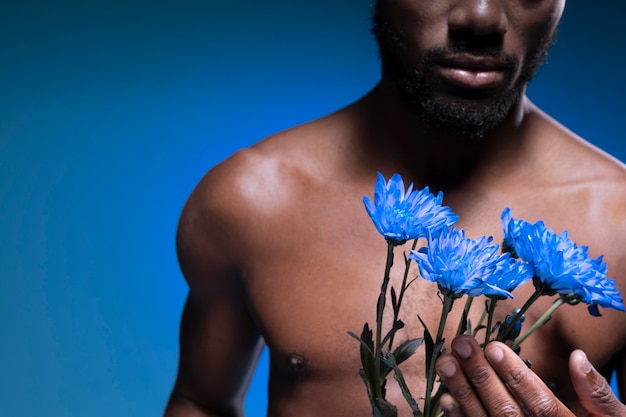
[{"x": 472, "y": 62}]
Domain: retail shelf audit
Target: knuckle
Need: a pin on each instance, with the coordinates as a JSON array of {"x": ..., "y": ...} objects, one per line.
[
  {"x": 463, "y": 393},
  {"x": 602, "y": 393},
  {"x": 543, "y": 406},
  {"x": 507, "y": 410},
  {"x": 480, "y": 376},
  {"x": 516, "y": 377}
]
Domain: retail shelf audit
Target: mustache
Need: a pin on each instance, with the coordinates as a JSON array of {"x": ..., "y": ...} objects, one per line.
[{"x": 493, "y": 52}]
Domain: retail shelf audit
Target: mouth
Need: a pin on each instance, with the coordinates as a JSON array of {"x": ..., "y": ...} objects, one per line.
[{"x": 481, "y": 74}]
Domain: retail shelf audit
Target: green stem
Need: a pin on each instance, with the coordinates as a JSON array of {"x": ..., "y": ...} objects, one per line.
[
  {"x": 447, "y": 307},
  {"x": 380, "y": 307},
  {"x": 507, "y": 328},
  {"x": 435, "y": 402},
  {"x": 396, "y": 312},
  {"x": 430, "y": 375},
  {"x": 556, "y": 304},
  {"x": 480, "y": 322},
  {"x": 491, "y": 308},
  {"x": 466, "y": 309}
]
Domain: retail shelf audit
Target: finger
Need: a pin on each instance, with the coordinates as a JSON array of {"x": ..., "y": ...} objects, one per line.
[
  {"x": 466, "y": 400},
  {"x": 494, "y": 395},
  {"x": 450, "y": 407},
  {"x": 593, "y": 390},
  {"x": 533, "y": 396}
]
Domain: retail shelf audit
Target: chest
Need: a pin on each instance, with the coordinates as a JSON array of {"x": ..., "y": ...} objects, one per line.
[{"x": 311, "y": 282}]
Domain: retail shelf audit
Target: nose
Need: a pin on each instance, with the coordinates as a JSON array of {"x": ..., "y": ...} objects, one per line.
[{"x": 479, "y": 17}]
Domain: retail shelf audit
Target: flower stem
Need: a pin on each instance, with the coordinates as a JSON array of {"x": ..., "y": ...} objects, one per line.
[
  {"x": 556, "y": 304},
  {"x": 377, "y": 390},
  {"x": 480, "y": 322},
  {"x": 466, "y": 309},
  {"x": 507, "y": 327},
  {"x": 491, "y": 308},
  {"x": 448, "y": 300},
  {"x": 396, "y": 312}
]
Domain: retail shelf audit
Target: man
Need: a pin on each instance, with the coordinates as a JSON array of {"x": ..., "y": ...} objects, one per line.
[{"x": 277, "y": 249}]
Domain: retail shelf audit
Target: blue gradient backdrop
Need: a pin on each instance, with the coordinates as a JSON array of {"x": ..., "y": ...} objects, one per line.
[{"x": 111, "y": 111}]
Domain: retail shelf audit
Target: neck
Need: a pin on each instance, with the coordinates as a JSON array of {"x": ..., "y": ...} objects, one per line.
[{"x": 405, "y": 143}]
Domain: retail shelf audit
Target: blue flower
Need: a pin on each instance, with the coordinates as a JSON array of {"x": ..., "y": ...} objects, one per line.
[
  {"x": 512, "y": 231},
  {"x": 400, "y": 216},
  {"x": 509, "y": 274},
  {"x": 560, "y": 265},
  {"x": 460, "y": 265},
  {"x": 603, "y": 292}
]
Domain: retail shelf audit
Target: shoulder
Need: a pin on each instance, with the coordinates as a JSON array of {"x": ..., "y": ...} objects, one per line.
[
  {"x": 594, "y": 181},
  {"x": 562, "y": 159},
  {"x": 581, "y": 188},
  {"x": 240, "y": 203},
  {"x": 593, "y": 184},
  {"x": 578, "y": 187}
]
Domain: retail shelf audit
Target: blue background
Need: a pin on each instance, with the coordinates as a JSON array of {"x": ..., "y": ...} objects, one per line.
[{"x": 111, "y": 111}]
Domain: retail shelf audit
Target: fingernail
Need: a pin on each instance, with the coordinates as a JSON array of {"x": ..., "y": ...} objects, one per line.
[
  {"x": 495, "y": 354},
  {"x": 585, "y": 365},
  {"x": 447, "y": 404},
  {"x": 446, "y": 369},
  {"x": 462, "y": 348}
]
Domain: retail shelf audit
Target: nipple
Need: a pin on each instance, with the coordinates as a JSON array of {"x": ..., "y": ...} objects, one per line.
[{"x": 298, "y": 364}]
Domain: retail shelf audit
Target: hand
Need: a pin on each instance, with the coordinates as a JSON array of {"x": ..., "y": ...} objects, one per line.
[{"x": 497, "y": 382}]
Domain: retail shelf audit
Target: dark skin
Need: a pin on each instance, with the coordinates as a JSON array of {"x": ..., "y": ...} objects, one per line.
[
  {"x": 279, "y": 252},
  {"x": 496, "y": 382}
]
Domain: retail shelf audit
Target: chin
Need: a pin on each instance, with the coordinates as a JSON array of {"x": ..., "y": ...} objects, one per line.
[{"x": 467, "y": 117}]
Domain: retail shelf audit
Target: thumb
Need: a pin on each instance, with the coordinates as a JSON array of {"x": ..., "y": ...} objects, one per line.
[{"x": 593, "y": 390}]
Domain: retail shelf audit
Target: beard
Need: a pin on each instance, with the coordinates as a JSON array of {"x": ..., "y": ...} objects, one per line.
[{"x": 467, "y": 116}]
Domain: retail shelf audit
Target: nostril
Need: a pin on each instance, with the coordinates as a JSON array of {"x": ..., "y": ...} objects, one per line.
[
  {"x": 468, "y": 41},
  {"x": 479, "y": 18}
]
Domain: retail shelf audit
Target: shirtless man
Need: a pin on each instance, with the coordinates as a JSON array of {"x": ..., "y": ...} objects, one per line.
[{"x": 278, "y": 250}]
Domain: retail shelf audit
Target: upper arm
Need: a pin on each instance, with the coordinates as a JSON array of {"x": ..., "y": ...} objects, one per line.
[
  {"x": 219, "y": 342},
  {"x": 614, "y": 219},
  {"x": 620, "y": 371}
]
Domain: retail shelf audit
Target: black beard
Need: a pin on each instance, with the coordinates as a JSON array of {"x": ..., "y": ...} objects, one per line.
[{"x": 462, "y": 116}]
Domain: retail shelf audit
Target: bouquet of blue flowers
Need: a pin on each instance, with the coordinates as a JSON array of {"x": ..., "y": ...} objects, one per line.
[{"x": 465, "y": 267}]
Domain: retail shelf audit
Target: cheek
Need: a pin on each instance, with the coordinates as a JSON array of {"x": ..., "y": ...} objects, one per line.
[
  {"x": 530, "y": 28},
  {"x": 414, "y": 28}
]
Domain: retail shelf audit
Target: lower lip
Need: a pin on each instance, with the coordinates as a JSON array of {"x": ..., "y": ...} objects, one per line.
[{"x": 473, "y": 78}]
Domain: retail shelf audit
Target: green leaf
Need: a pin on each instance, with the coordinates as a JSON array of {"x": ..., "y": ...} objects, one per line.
[
  {"x": 385, "y": 367},
  {"x": 406, "y": 349},
  {"x": 428, "y": 340},
  {"x": 367, "y": 354},
  {"x": 438, "y": 347},
  {"x": 463, "y": 324},
  {"x": 384, "y": 408},
  {"x": 478, "y": 328},
  {"x": 431, "y": 347},
  {"x": 383, "y": 387},
  {"x": 367, "y": 386},
  {"x": 406, "y": 392},
  {"x": 399, "y": 324},
  {"x": 364, "y": 345},
  {"x": 380, "y": 305},
  {"x": 394, "y": 300},
  {"x": 367, "y": 337}
]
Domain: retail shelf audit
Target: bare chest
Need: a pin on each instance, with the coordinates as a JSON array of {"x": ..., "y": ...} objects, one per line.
[{"x": 310, "y": 284}]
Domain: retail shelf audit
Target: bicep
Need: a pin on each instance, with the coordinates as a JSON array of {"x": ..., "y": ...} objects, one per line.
[
  {"x": 219, "y": 341},
  {"x": 620, "y": 372},
  {"x": 219, "y": 348}
]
